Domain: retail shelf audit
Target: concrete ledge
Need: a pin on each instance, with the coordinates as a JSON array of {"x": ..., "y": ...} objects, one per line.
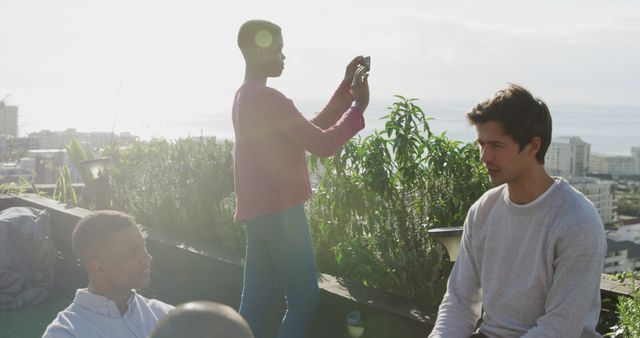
[{"x": 610, "y": 286}]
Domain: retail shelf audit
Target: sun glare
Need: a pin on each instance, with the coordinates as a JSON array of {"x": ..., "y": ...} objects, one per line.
[{"x": 264, "y": 39}]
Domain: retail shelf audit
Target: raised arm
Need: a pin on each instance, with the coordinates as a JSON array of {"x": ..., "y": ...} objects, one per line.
[
  {"x": 341, "y": 99},
  {"x": 318, "y": 141},
  {"x": 283, "y": 117}
]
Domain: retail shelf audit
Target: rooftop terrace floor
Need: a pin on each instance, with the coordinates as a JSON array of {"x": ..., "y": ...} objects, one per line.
[{"x": 30, "y": 322}]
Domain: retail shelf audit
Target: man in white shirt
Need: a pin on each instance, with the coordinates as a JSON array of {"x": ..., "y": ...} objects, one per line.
[
  {"x": 112, "y": 249},
  {"x": 533, "y": 247}
]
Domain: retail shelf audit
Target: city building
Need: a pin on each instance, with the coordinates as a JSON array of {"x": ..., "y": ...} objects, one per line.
[
  {"x": 629, "y": 232},
  {"x": 16, "y": 171},
  {"x": 8, "y": 120},
  {"x": 598, "y": 165},
  {"x": 47, "y": 164},
  {"x": 635, "y": 152},
  {"x": 600, "y": 193},
  {"x": 10, "y": 146},
  {"x": 623, "y": 249},
  {"x": 46, "y": 139},
  {"x": 617, "y": 165},
  {"x": 621, "y": 256},
  {"x": 3, "y": 144},
  {"x": 568, "y": 157}
]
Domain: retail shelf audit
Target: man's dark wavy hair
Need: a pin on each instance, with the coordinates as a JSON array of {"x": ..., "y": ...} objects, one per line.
[{"x": 522, "y": 116}]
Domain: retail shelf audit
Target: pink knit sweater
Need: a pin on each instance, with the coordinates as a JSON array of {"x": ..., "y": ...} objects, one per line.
[{"x": 271, "y": 139}]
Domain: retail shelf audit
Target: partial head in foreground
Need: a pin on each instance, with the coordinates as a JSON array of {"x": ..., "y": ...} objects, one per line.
[
  {"x": 202, "y": 319},
  {"x": 514, "y": 133}
]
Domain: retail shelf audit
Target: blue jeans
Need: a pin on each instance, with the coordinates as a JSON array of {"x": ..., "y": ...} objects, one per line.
[{"x": 279, "y": 251}]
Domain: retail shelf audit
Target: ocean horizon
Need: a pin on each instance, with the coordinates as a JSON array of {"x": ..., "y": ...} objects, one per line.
[{"x": 610, "y": 129}]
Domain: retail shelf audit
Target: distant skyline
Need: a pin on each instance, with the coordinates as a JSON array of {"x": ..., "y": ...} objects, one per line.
[{"x": 142, "y": 66}]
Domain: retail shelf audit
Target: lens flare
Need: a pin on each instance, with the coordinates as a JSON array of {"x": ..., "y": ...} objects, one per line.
[{"x": 264, "y": 39}]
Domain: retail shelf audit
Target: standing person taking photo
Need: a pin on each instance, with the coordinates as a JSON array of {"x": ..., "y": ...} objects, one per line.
[{"x": 272, "y": 180}]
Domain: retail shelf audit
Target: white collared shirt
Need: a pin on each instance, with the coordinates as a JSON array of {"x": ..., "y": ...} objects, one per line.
[{"x": 91, "y": 315}]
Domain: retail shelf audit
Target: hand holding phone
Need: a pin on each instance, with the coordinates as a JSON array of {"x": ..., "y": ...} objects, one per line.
[
  {"x": 366, "y": 62},
  {"x": 360, "y": 87}
]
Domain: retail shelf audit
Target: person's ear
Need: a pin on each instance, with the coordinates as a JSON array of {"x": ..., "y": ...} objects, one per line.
[
  {"x": 94, "y": 265},
  {"x": 535, "y": 145},
  {"x": 254, "y": 55}
]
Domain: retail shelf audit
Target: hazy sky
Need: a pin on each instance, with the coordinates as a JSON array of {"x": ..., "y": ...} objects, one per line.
[{"x": 151, "y": 64}]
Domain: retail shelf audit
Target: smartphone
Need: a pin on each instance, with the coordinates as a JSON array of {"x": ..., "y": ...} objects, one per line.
[{"x": 366, "y": 62}]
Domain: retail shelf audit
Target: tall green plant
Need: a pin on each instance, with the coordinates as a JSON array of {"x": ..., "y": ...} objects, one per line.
[
  {"x": 64, "y": 192},
  {"x": 380, "y": 195},
  {"x": 182, "y": 188},
  {"x": 77, "y": 153},
  {"x": 628, "y": 309}
]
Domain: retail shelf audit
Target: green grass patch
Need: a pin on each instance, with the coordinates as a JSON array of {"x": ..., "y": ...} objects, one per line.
[{"x": 31, "y": 321}]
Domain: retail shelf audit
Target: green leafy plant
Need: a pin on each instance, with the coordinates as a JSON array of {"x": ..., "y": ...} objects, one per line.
[
  {"x": 380, "y": 195},
  {"x": 17, "y": 188},
  {"x": 64, "y": 192},
  {"x": 628, "y": 309},
  {"x": 182, "y": 188},
  {"x": 77, "y": 153}
]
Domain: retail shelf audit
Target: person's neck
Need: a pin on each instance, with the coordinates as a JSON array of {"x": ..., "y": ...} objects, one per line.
[
  {"x": 119, "y": 297},
  {"x": 530, "y": 186},
  {"x": 251, "y": 74}
]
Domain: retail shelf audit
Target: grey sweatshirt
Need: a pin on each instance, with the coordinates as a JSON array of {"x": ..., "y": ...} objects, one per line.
[{"x": 532, "y": 270}]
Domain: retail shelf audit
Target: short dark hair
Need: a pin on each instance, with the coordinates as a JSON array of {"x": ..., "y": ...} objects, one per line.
[
  {"x": 94, "y": 230},
  {"x": 249, "y": 30},
  {"x": 522, "y": 116},
  {"x": 202, "y": 319}
]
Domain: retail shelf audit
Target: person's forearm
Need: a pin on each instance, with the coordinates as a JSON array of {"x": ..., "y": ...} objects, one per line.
[
  {"x": 326, "y": 142},
  {"x": 453, "y": 322},
  {"x": 338, "y": 105}
]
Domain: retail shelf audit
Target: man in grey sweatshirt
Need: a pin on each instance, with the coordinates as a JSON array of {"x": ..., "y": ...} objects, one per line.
[{"x": 533, "y": 247}]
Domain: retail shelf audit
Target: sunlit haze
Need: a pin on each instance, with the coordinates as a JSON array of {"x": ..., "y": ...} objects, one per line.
[{"x": 151, "y": 67}]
